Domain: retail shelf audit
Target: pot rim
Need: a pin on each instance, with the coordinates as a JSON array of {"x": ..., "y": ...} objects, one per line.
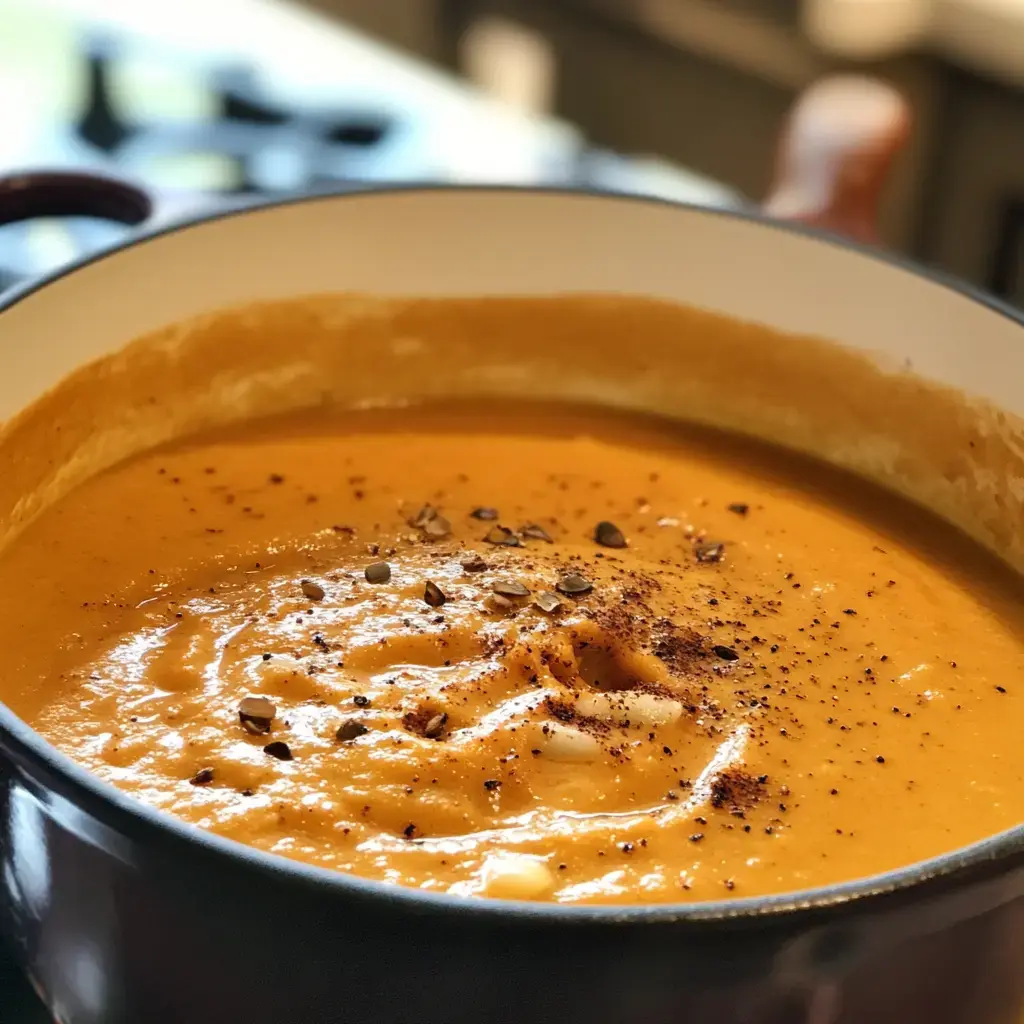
[{"x": 993, "y": 856}]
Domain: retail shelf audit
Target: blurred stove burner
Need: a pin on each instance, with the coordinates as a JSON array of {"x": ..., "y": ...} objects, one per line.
[
  {"x": 255, "y": 143},
  {"x": 248, "y": 131},
  {"x": 99, "y": 125}
]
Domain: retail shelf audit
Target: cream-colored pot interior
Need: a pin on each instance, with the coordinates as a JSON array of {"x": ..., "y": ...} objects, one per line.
[{"x": 883, "y": 396}]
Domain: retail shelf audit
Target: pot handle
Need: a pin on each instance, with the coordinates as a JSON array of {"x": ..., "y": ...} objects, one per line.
[
  {"x": 72, "y": 194},
  {"x": 838, "y": 146}
]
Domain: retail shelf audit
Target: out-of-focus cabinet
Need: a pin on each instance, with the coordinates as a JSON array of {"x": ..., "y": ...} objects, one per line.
[
  {"x": 707, "y": 83},
  {"x": 977, "y": 229}
]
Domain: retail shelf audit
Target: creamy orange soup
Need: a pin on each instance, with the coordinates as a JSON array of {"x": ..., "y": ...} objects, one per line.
[{"x": 529, "y": 651}]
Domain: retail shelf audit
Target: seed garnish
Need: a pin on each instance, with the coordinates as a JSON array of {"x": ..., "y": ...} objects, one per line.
[
  {"x": 484, "y": 514},
  {"x": 437, "y": 528},
  {"x": 473, "y": 563},
  {"x": 351, "y": 730},
  {"x": 608, "y": 535},
  {"x": 256, "y": 714},
  {"x": 725, "y": 653},
  {"x": 203, "y": 777},
  {"x": 709, "y": 552},
  {"x": 574, "y": 585},
  {"x": 534, "y": 531},
  {"x": 511, "y": 588},
  {"x": 433, "y": 594},
  {"x": 278, "y": 749},
  {"x": 504, "y": 536},
  {"x": 547, "y": 602},
  {"x": 424, "y": 516},
  {"x": 377, "y": 572},
  {"x": 434, "y": 729},
  {"x": 739, "y": 508},
  {"x": 312, "y": 590}
]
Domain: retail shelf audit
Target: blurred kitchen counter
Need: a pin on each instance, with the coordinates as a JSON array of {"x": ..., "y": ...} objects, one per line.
[{"x": 166, "y": 66}]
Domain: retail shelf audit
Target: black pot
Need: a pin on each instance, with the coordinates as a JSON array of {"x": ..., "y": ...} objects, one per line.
[{"x": 122, "y": 915}]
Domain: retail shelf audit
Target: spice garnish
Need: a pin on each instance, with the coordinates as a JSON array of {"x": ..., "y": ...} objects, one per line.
[
  {"x": 278, "y": 749},
  {"x": 511, "y": 588},
  {"x": 547, "y": 602},
  {"x": 709, "y": 552},
  {"x": 473, "y": 563},
  {"x": 502, "y": 535},
  {"x": 433, "y": 594},
  {"x": 534, "y": 531},
  {"x": 312, "y": 590},
  {"x": 739, "y": 508},
  {"x": 377, "y": 572},
  {"x": 608, "y": 535},
  {"x": 484, "y": 514},
  {"x": 360, "y": 701},
  {"x": 574, "y": 585},
  {"x": 725, "y": 653},
  {"x": 256, "y": 714},
  {"x": 351, "y": 730},
  {"x": 434, "y": 729},
  {"x": 203, "y": 777}
]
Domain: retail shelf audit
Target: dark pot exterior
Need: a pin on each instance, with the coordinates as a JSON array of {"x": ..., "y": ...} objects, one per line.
[
  {"x": 121, "y": 919},
  {"x": 122, "y": 916}
]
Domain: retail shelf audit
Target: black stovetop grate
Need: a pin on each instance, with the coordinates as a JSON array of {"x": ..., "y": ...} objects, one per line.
[{"x": 334, "y": 143}]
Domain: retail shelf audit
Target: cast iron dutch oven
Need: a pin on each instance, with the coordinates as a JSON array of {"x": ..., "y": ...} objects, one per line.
[{"x": 122, "y": 915}]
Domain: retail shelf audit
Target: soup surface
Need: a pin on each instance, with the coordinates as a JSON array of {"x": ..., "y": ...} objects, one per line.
[{"x": 524, "y": 651}]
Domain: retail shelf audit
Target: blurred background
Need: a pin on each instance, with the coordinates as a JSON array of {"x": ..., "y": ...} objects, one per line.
[{"x": 214, "y": 100}]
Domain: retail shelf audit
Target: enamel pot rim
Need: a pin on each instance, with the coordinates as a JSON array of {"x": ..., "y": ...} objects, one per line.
[{"x": 979, "y": 863}]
